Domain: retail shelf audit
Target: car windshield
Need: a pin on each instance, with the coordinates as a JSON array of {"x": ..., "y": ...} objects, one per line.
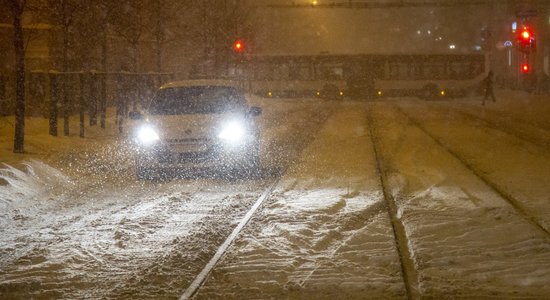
[{"x": 196, "y": 100}]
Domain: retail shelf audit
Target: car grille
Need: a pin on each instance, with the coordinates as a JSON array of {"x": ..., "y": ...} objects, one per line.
[
  {"x": 188, "y": 141},
  {"x": 188, "y": 150}
]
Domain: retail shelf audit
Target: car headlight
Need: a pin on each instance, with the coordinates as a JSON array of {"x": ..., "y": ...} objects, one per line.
[
  {"x": 147, "y": 135},
  {"x": 233, "y": 132}
]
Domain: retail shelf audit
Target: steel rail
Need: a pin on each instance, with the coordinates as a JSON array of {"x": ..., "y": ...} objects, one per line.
[
  {"x": 408, "y": 270},
  {"x": 509, "y": 198},
  {"x": 500, "y": 125},
  {"x": 201, "y": 277}
]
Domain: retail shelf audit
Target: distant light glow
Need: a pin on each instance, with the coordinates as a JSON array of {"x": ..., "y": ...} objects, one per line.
[
  {"x": 514, "y": 26},
  {"x": 452, "y": 46},
  {"x": 314, "y": 2},
  {"x": 525, "y": 68},
  {"x": 525, "y": 34},
  {"x": 238, "y": 46},
  {"x": 442, "y": 93}
]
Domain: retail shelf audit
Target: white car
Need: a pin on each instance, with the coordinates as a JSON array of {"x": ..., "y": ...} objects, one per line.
[{"x": 196, "y": 125}]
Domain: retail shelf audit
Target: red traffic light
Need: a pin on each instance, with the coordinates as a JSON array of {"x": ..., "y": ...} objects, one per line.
[
  {"x": 525, "y": 68},
  {"x": 526, "y": 39},
  {"x": 238, "y": 46}
]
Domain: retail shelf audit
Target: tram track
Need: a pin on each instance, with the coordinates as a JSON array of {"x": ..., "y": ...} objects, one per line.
[
  {"x": 541, "y": 140},
  {"x": 203, "y": 275},
  {"x": 498, "y": 189},
  {"x": 193, "y": 289},
  {"x": 408, "y": 270}
]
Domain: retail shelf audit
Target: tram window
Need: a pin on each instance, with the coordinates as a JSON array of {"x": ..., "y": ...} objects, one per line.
[
  {"x": 433, "y": 70},
  {"x": 329, "y": 72},
  {"x": 476, "y": 68},
  {"x": 299, "y": 72},
  {"x": 280, "y": 72},
  {"x": 337, "y": 73},
  {"x": 262, "y": 71},
  {"x": 454, "y": 70},
  {"x": 394, "y": 71},
  {"x": 417, "y": 70}
]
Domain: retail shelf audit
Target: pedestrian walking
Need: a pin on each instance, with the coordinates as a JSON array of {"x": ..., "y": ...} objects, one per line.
[{"x": 489, "y": 93}]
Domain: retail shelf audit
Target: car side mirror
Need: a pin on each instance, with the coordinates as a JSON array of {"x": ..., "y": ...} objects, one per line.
[
  {"x": 135, "y": 115},
  {"x": 255, "y": 111}
]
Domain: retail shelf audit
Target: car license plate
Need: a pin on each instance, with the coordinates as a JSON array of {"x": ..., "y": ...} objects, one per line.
[{"x": 182, "y": 148}]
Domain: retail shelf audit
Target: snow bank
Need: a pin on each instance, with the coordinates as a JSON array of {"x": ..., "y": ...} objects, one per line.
[{"x": 36, "y": 179}]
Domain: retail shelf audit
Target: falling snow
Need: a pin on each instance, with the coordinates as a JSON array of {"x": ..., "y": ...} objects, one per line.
[{"x": 76, "y": 223}]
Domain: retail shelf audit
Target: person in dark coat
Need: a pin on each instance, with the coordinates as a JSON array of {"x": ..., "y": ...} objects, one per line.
[{"x": 489, "y": 93}]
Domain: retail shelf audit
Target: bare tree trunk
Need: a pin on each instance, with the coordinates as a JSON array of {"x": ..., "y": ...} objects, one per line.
[
  {"x": 64, "y": 85},
  {"x": 135, "y": 86},
  {"x": 19, "y": 137},
  {"x": 54, "y": 94},
  {"x": 93, "y": 98},
  {"x": 158, "y": 35},
  {"x": 158, "y": 54},
  {"x": 65, "y": 105},
  {"x": 205, "y": 33},
  {"x": 82, "y": 104},
  {"x": 3, "y": 80},
  {"x": 103, "y": 100}
]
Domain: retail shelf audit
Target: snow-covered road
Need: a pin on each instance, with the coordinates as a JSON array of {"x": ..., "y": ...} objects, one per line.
[{"x": 470, "y": 185}]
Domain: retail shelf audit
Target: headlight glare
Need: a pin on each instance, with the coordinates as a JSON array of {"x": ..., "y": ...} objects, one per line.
[
  {"x": 232, "y": 132},
  {"x": 147, "y": 135}
]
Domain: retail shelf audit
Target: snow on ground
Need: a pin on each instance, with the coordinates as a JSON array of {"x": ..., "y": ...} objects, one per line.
[
  {"x": 325, "y": 232},
  {"x": 92, "y": 244},
  {"x": 76, "y": 224},
  {"x": 466, "y": 239}
]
